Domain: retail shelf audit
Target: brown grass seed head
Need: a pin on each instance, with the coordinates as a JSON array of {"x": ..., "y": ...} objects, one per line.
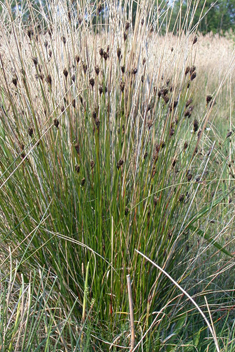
[
  {"x": 92, "y": 82},
  {"x": 97, "y": 69},
  {"x": 120, "y": 163},
  {"x": 187, "y": 70},
  {"x": 208, "y": 99},
  {"x": 48, "y": 79},
  {"x": 101, "y": 51},
  {"x": 15, "y": 80},
  {"x": 77, "y": 168},
  {"x": 106, "y": 55},
  {"x": 193, "y": 76},
  {"x": 56, "y": 123},
  {"x": 35, "y": 61},
  {"x": 195, "y": 125},
  {"x": 65, "y": 72},
  {"x": 84, "y": 66},
  {"x": 30, "y": 131}
]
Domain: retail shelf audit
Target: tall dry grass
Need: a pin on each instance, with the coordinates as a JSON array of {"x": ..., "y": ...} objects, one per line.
[{"x": 109, "y": 145}]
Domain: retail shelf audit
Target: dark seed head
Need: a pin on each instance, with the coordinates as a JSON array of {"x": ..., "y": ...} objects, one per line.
[
  {"x": 126, "y": 211},
  {"x": 187, "y": 70},
  {"x": 193, "y": 76},
  {"x": 127, "y": 26},
  {"x": 63, "y": 40},
  {"x": 15, "y": 80},
  {"x": 48, "y": 79},
  {"x": 122, "y": 86},
  {"x": 173, "y": 105},
  {"x": 94, "y": 114},
  {"x": 188, "y": 102},
  {"x": 50, "y": 31},
  {"x": 194, "y": 40},
  {"x": 189, "y": 177},
  {"x": 83, "y": 181},
  {"x": 65, "y": 72},
  {"x": 92, "y": 82},
  {"x": 208, "y": 99},
  {"x": 120, "y": 163},
  {"x": 166, "y": 98},
  {"x": 187, "y": 113},
  {"x": 185, "y": 145},
  {"x": 101, "y": 52},
  {"x": 119, "y": 53},
  {"x": 77, "y": 168},
  {"x": 74, "y": 103},
  {"x": 125, "y": 36},
  {"x": 30, "y": 131},
  {"x": 106, "y": 55},
  {"x": 100, "y": 89},
  {"x": 134, "y": 71},
  {"x": 77, "y": 58},
  {"x": 92, "y": 164},
  {"x": 56, "y": 123},
  {"x": 181, "y": 198},
  {"x": 163, "y": 92},
  {"x": 123, "y": 69},
  {"x": 97, "y": 70},
  {"x": 30, "y": 33},
  {"x": 77, "y": 148},
  {"x": 35, "y": 61},
  {"x": 192, "y": 69},
  {"x": 195, "y": 125},
  {"x": 84, "y": 66},
  {"x": 46, "y": 43}
]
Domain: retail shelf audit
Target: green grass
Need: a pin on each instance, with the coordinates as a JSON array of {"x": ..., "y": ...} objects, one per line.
[{"x": 96, "y": 166}]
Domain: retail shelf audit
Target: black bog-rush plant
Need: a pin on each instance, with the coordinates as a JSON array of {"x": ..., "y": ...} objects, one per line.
[{"x": 105, "y": 156}]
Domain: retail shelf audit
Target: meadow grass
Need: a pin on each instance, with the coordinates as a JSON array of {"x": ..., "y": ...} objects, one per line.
[{"x": 116, "y": 161}]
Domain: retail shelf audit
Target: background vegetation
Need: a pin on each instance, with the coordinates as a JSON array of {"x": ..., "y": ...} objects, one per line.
[{"x": 116, "y": 147}]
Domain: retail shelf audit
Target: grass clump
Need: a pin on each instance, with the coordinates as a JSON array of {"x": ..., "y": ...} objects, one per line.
[{"x": 103, "y": 154}]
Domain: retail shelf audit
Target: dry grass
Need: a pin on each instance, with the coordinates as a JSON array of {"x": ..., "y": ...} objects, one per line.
[{"x": 108, "y": 151}]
